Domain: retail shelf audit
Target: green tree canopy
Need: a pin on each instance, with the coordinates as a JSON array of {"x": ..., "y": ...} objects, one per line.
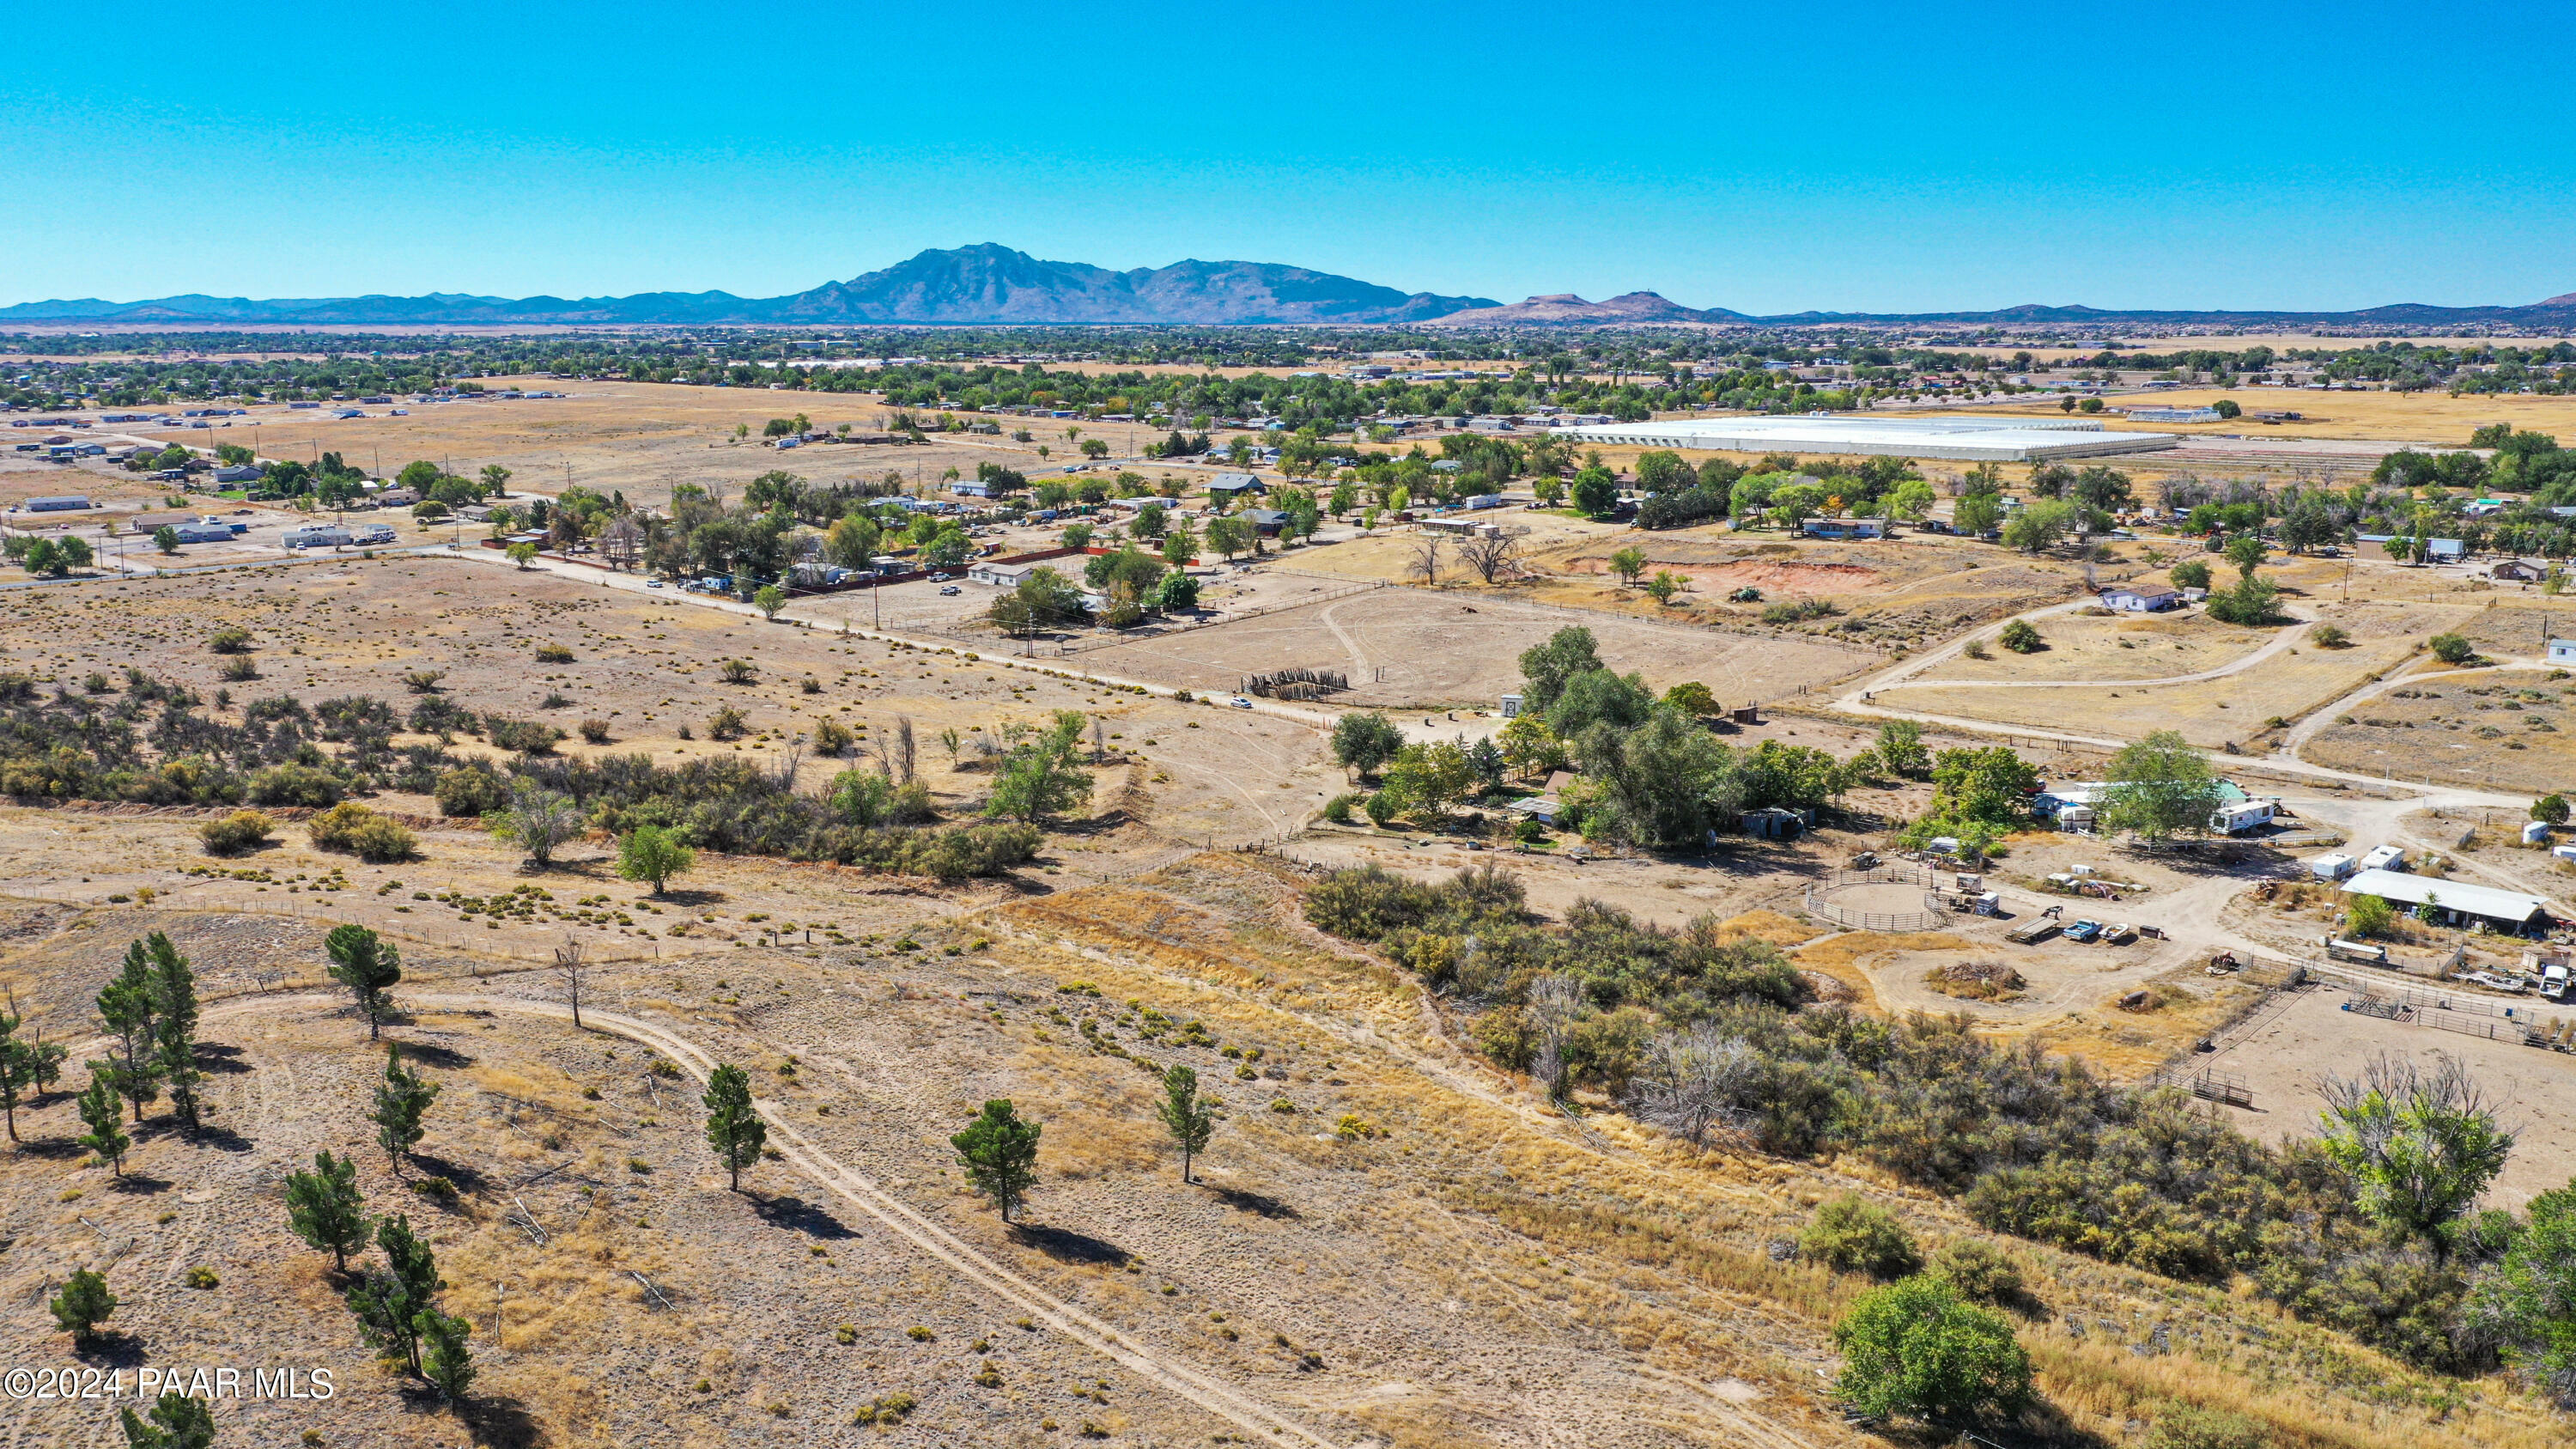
[
  {"x": 2161, "y": 787},
  {"x": 999, "y": 1152}
]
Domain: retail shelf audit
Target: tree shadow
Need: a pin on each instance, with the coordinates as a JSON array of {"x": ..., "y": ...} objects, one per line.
[
  {"x": 691, "y": 897},
  {"x": 215, "y": 1056},
  {"x": 797, "y": 1215},
  {"x": 444, "y": 1058},
  {"x": 467, "y": 1179},
  {"x": 500, "y": 1421},
  {"x": 109, "y": 1348},
  {"x": 139, "y": 1183},
  {"x": 52, "y": 1147},
  {"x": 1067, "y": 1246},
  {"x": 222, "y": 1139},
  {"x": 1260, "y": 1203}
]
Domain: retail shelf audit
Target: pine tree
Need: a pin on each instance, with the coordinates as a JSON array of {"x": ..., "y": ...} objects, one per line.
[
  {"x": 83, "y": 1304},
  {"x": 1191, "y": 1118},
  {"x": 17, "y": 1069},
  {"x": 389, "y": 1303},
  {"x": 734, "y": 1128},
  {"x": 126, "y": 1006},
  {"x": 178, "y": 1422},
  {"x": 445, "y": 1360},
  {"x": 402, "y": 1099},
  {"x": 98, "y": 1110},
  {"x": 325, "y": 1208},
  {"x": 174, "y": 1002},
  {"x": 999, "y": 1151},
  {"x": 367, "y": 964}
]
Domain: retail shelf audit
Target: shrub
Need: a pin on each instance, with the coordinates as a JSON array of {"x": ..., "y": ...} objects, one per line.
[
  {"x": 595, "y": 731},
  {"x": 243, "y": 830},
  {"x": 553, "y": 654},
  {"x": 423, "y": 681},
  {"x": 2019, "y": 637},
  {"x": 470, "y": 791},
  {"x": 2190, "y": 574},
  {"x": 1382, "y": 807},
  {"x": 1975, "y": 649},
  {"x": 229, "y": 641},
  {"x": 240, "y": 669},
  {"x": 2371, "y": 916},
  {"x": 2330, "y": 636},
  {"x": 202, "y": 1276},
  {"x": 295, "y": 785},
  {"x": 1799, "y": 611},
  {"x": 833, "y": 738},
  {"x": 1914, "y": 1347},
  {"x": 1853, "y": 1235},
  {"x": 1982, "y": 1272},
  {"x": 727, "y": 723},
  {"x": 527, "y": 736},
  {"x": 2550, "y": 809},
  {"x": 2451, "y": 648},
  {"x": 738, "y": 671},
  {"x": 2180, "y": 1426},
  {"x": 362, "y": 832},
  {"x": 1338, "y": 809}
]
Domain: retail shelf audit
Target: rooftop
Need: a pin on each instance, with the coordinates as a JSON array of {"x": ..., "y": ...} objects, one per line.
[
  {"x": 2451, "y": 895},
  {"x": 2008, "y": 440}
]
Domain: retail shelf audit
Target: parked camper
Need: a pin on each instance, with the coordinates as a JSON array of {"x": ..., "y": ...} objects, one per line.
[
  {"x": 2242, "y": 816},
  {"x": 2365, "y": 952},
  {"x": 2331, "y": 867},
  {"x": 2383, "y": 857}
]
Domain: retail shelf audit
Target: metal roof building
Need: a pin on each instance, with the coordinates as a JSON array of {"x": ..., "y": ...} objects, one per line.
[
  {"x": 1973, "y": 439},
  {"x": 2510, "y": 910}
]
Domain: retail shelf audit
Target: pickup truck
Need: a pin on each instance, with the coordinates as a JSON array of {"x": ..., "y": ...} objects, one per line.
[
  {"x": 2084, "y": 930},
  {"x": 2032, "y": 932}
]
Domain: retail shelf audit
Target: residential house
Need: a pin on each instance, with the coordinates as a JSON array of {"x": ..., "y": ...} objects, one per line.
[
  {"x": 1234, "y": 486},
  {"x": 2516, "y": 570},
  {"x": 2146, "y": 599},
  {"x": 1000, "y": 575},
  {"x": 66, "y": 503}
]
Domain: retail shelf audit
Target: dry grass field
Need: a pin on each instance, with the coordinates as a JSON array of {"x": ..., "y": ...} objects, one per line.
[
  {"x": 2512, "y": 728},
  {"x": 649, "y": 669},
  {"x": 2435, "y": 418},
  {"x": 1427, "y": 649},
  {"x": 2113, "y": 647},
  {"x": 2235, "y": 709},
  {"x": 1391, "y": 1243}
]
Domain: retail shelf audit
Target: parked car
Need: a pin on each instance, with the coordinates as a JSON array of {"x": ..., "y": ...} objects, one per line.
[
  {"x": 652, "y": 583},
  {"x": 941, "y": 578},
  {"x": 1239, "y": 702},
  {"x": 950, "y": 589},
  {"x": 2084, "y": 930}
]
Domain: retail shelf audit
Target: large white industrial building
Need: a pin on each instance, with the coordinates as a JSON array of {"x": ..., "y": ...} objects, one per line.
[{"x": 1971, "y": 439}]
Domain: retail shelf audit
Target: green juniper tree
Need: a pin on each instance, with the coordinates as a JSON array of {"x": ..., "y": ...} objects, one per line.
[
  {"x": 326, "y": 1210},
  {"x": 174, "y": 1000},
  {"x": 83, "y": 1304},
  {"x": 390, "y": 1301},
  {"x": 126, "y": 1006},
  {"x": 734, "y": 1128},
  {"x": 999, "y": 1151},
  {"x": 445, "y": 1360},
  {"x": 367, "y": 964}
]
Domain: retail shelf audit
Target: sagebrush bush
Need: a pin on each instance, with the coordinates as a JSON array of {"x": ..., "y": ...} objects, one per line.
[
  {"x": 595, "y": 731},
  {"x": 1982, "y": 1272},
  {"x": 528, "y": 737},
  {"x": 243, "y": 830},
  {"x": 553, "y": 654},
  {"x": 1851, "y": 1234},
  {"x": 362, "y": 832},
  {"x": 229, "y": 641},
  {"x": 470, "y": 790}
]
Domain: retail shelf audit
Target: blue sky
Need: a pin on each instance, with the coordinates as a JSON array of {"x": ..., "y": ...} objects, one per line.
[{"x": 1858, "y": 156}]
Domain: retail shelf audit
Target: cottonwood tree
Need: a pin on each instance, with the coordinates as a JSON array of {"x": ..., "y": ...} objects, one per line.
[
  {"x": 1915, "y": 1347},
  {"x": 649, "y": 853},
  {"x": 402, "y": 1101},
  {"x": 538, "y": 819},
  {"x": 1366, "y": 741},
  {"x": 367, "y": 964},
  {"x": 1042, "y": 777},
  {"x": 326, "y": 1210},
  {"x": 1425, "y": 563},
  {"x": 1553, "y": 1001},
  {"x": 1628, "y": 564},
  {"x": 1690, "y": 1081},
  {"x": 734, "y": 1128},
  {"x": 999, "y": 1152},
  {"x": 1491, "y": 555},
  {"x": 1190, "y": 1118},
  {"x": 2526, "y": 1302},
  {"x": 2160, "y": 787},
  {"x": 2421, "y": 1143}
]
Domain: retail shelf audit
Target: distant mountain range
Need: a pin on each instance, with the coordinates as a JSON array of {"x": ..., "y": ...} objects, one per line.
[
  {"x": 977, "y": 285},
  {"x": 991, "y": 285}
]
